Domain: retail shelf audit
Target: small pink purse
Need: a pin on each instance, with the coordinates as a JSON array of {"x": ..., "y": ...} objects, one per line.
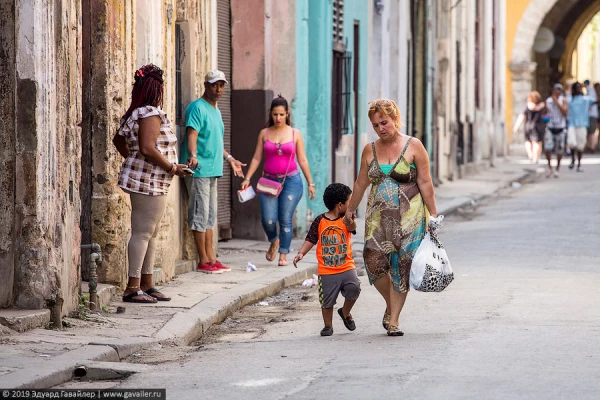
[{"x": 270, "y": 187}]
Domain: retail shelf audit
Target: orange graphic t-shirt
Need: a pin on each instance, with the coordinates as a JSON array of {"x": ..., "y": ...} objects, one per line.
[{"x": 334, "y": 248}]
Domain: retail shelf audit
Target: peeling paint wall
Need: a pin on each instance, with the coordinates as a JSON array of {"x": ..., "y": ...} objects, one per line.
[
  {"x": 129, "y": 35},
  {"x": 7, "y": 155},
  {"x": 112, "y": 56},
  {"x": 42, "y": 138}
]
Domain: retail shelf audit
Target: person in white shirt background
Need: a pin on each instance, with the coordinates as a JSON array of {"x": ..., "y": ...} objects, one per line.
[{"x": 556, "y": 128}]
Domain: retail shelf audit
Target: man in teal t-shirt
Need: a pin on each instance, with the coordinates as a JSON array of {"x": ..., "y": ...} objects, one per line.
[{"x": 203, "y": 150}]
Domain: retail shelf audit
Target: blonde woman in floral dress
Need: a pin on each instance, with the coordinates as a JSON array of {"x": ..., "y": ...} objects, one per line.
[{"x": 401, "y": 199}]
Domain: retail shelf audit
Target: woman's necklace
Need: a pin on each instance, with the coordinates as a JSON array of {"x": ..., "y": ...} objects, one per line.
[{"x": 278, "y": 144}]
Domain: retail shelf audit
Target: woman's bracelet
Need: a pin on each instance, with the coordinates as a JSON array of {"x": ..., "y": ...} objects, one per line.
[
  {"x": 311, "y": 184},
  {"x": 247, "y": 179},
  {"x": 173, "y": 169}
]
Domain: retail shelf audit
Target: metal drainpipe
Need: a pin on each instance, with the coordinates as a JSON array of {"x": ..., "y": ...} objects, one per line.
[{"x": 95, "y": 257}]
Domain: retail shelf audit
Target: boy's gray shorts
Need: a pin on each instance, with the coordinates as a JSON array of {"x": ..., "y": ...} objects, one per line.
[{"x": 330, "y": 287}]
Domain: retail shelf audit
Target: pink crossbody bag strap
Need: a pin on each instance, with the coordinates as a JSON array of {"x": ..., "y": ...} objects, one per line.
[{"x": 291, "y": 156}]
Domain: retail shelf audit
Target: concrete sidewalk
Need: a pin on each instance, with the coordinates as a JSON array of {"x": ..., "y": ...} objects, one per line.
[{"x": 42, "y": 358}]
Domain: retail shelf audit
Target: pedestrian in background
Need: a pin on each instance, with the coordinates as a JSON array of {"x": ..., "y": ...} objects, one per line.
[
  {"x": 396, "y": 166},
  {"x": 579, "y": 120},
  {"x": 283, "y": 150},
  {"x": 535, "y": 127},
  {"x": 147, "y": 142},
  {"x": 337, "y": 271},
  {"x": 556, "y": 128},
  {"x": 203, "y": 150},
  {"x": 591, "y": 132},
  {"x": 595, "y": 144}
]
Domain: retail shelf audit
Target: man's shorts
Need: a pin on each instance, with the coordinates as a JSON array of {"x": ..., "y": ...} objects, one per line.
[
  {"x": 577, "y": 137},
  {"x": 202, "y": 206},
  {"x": 330, "y": 287},
  {"x": 554, "y": 140},
  {"x": 593, "y": 124}
]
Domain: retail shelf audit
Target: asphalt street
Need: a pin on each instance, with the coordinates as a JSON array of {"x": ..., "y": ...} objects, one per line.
[{"x": 520, "y": 321}]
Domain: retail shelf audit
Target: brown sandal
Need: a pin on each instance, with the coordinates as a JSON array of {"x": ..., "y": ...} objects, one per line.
[
  {"x": 386, "y": 321},
  {"x": 394, "y": 331},
  {"x": 272, "y": 250}
]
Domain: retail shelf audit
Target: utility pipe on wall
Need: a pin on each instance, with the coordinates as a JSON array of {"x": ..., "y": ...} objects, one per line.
[{"x": 95, "y": 257}]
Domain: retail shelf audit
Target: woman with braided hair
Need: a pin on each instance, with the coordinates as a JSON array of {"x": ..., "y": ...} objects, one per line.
[
  {"x": 146, "y": 140},
  {"x": 397, "y": 168}
]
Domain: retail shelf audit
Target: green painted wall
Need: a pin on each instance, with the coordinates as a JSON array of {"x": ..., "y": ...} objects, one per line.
[{"x": 312, "y": 104}]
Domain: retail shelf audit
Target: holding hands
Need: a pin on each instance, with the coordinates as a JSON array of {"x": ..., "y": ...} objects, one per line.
[{"x": 349, "y": 218}]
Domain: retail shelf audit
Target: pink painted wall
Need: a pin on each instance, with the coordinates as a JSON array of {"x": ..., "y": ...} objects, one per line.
[
  {"x": 264, "y": 46},
  {"x": 248, "y": 44}
]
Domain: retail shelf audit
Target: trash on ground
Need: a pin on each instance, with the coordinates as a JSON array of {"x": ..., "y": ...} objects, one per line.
[
  {"x": 250, "y": 267},
  {"x": 262, "y": 303},
  {"x": 311, "y": 281},
  {"x": 515, "y": 185}
]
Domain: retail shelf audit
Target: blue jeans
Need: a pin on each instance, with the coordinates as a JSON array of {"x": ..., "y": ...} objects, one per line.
[{"x": 281, "y": 209}]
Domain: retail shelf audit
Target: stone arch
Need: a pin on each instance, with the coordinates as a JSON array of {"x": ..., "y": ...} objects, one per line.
[
  {"x": 574, "y": 34},
  {"x": 527, "y": 29},
  {"x": 573, "y": 15}
]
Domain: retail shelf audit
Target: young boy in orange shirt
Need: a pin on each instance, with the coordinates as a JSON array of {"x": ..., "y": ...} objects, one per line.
[{"x": 337, "y": 272}]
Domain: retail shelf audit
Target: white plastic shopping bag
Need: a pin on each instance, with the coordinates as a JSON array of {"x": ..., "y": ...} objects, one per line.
[{"x": 430, "y": 270}]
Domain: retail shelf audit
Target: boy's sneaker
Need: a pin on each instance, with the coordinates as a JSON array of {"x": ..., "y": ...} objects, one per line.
[
  {"x": 208, "y": 268},
  {"x": 348, "y": 321},
  {"x": 221, "y": 267},
  {"x": 327, "y": 331}
]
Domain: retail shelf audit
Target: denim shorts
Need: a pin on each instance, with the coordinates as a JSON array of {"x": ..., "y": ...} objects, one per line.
[
  {"x": 554, "y": 140},
  {"x": 202, "y": 206}
]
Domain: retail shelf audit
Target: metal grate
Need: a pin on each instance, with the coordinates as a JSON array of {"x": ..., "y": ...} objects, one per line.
[
  {"x": 338, "y": 21},
  {"x": 341, "y": 99},
  {"x": 224, "y": 64}
]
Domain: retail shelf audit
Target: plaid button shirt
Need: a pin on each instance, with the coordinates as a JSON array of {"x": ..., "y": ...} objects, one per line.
[{"x": 138, "y": 174}]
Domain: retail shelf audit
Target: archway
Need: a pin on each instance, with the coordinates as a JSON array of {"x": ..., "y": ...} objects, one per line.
[{"x": 566, "y": 19}]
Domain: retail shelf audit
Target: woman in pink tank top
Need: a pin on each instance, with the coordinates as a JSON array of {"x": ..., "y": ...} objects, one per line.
[{"x": 283, "y": 150}]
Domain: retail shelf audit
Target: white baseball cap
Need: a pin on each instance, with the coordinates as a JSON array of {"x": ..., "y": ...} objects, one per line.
[{"x": 215, "y": 75}]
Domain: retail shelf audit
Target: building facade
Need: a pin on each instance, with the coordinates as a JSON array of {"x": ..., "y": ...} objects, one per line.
[
  {"x": 443, "y": 63},
  {"x": 40, "y": 110},
  {"x": 314, "y": 53}
]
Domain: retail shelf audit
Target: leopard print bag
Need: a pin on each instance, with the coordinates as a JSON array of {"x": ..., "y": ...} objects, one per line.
[{"x": 430, "y": 270}]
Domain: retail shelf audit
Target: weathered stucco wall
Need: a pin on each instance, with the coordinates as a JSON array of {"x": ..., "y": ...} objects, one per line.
[
  {"x": 7, "y": 155},
  {"x": 111, "y": 61},
  {"x": 128, "y": 35},
  {"x": 47, "y": 153}
]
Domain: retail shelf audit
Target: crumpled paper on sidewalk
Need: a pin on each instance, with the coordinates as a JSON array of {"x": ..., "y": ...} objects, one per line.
[
  {"x": 310, "y": 282},
  {"x": 250, "y": 267}
]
